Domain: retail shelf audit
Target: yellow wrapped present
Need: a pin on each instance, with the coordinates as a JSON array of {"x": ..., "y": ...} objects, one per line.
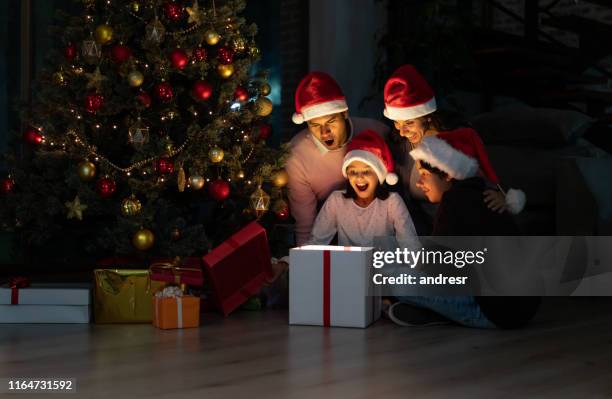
[{"x": 124, "y": 295}]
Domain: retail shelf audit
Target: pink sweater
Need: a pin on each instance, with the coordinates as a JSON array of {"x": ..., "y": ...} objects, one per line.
[{"x": 314, "y": 172}]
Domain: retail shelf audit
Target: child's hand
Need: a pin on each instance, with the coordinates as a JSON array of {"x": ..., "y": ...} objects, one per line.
[
  {"x": 495, "y": 200},
  {"x": 277, "y": 269}
]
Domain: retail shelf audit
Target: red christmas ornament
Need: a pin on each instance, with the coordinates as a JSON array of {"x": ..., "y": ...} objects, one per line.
[
  {"x": 241, "y": 94},
  {"x": 164, "y": 166},
  {"x": 282, "y": 214},
  {"x": 201, "y": 90},
  {"x": 173, "y": 11},
  {"x": 106, "y": 187},
  {"x": 120, "y": 53},
  {"x": 225, "y": 55},
  {"x": 144, "y": 98},
  {"x": 219, "y": 189},
  {"x": 32, "y": 136},
  {"x": 199, "y": 54},
  {"x": 70, "y": 51},
  {"x": 7, "y": 185},
  {"x": 265, "y": 131},
  {"x": 93, "y": 102},
  {"x": 164, "y": 91},
  {"x": 179, "y": 58}
]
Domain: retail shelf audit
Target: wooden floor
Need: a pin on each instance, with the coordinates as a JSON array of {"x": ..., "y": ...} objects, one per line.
[{"x": 565, "y": 353}]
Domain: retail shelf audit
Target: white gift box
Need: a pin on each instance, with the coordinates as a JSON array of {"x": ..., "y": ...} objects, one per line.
[
  {"x": 46, "y": 303},
  {"x": 331, "y": 286}
]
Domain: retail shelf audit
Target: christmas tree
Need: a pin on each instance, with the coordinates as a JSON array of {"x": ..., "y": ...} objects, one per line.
[{"x": 146, "y": 134}]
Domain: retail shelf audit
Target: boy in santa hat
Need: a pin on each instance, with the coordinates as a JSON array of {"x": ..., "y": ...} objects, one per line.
[
  {"x": 317, "y": 152},
  {"x": 411, "y": 104},
  {"x": 449, "y": 166}
]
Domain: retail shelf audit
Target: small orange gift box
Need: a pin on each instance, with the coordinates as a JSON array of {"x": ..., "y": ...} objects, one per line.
[{"x": 176, "y": 311}]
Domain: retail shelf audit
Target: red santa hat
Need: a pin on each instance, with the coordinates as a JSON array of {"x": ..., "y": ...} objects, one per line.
[
  {"x": 461, "y": 154},
  {"x": 408, "y": 95},
  {"x": 317, "y": 95},
  {"x": 370, "y": 148}
]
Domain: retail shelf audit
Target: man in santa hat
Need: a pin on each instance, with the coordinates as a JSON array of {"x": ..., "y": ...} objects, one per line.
[
  {"x": 450, "y": 164},
  {"x": 315, "y": 162}
]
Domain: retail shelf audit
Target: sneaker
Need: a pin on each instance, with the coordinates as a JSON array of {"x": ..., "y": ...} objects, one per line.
[{"x": 407, "y": 315}]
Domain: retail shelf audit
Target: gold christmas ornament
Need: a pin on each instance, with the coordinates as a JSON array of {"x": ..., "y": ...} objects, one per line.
[
  {"x": 263, "y": 106},
  {"x": 138, "y": 134},
  {"x": 135, "y": 78},
  {"x": 216, "y": 154},
  {"x": 91, "y": 51},
  {"x": 280, "y": 178},
  {"x": 75, "y": 208},
  {"x": 86, "y": 170},
  {"x": 131, "y": 206},
  {"x": 95, "y": 79},
  {"x": 135, "y": 6},
  {"x": 103, "y": 34},
  {"x": 240, "y": 175},
  {"x": 211, "y": 37},
  {"x": 225, "y": 71},
  {"x": 155, "y": 31},
  {"x": 58, "y": 78},
  {"x": 254, "y": 51},
  {"x": 260, "y": 202},
  {"x": 265, "y": 89},
  {"x": 143, "y": 239},
  {"x": 196, "y": 182},
  {"x": 181, "y": 182},
  {"x": 239, "y": 44}
]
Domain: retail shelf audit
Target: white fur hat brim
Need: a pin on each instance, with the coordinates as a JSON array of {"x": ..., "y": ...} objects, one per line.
[
  {"x": 318, "y": 110},
  {"x": 438, "y": 153},
  {"x": 408, "y": 113},
  {"x": 372, "y": 161}
]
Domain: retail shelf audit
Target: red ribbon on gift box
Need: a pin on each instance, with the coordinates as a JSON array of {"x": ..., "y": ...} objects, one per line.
[
  {"x": 15, "y": 284},
  {"x": 326, "y": 287}
]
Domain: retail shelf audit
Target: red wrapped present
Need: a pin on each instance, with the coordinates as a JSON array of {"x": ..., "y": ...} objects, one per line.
[
  {"x": 239, "y": 267},
  {"x": 178, "y": 271}
]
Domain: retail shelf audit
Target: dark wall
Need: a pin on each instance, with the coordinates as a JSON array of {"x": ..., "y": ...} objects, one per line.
[{"x": 9, "y": 69}]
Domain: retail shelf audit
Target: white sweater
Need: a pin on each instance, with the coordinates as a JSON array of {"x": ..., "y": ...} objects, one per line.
[{"x": 357, "y": 226}]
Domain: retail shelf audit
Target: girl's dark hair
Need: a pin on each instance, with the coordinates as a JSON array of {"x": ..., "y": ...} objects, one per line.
[
  {"x": 441, "y": 174},
  {"x": 381, "y": 192}
]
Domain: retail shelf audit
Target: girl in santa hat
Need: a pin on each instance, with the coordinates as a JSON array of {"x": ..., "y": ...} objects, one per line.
[
  {"x": 410, "y": 103},
  {"x": 365, "y": 209}
]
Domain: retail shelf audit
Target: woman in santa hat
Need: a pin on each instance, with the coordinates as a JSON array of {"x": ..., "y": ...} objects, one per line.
[{"x": 410, "y": 103}]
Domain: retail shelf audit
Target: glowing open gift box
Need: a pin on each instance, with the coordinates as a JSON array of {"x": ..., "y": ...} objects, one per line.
[{"x": 331, "y": 286}]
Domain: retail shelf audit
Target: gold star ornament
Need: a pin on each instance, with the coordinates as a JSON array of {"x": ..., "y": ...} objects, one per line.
[
  {"x": 95, "y": 79},
  {"x": 194, "y": 13},
  {"x": 75, "y": 208}
]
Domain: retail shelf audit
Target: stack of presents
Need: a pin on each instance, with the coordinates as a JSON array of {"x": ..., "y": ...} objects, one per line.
[{"x": 328, "y": 286}]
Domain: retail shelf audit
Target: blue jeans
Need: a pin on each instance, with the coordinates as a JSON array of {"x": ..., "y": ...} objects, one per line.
[{"x": 460, "y": 309}]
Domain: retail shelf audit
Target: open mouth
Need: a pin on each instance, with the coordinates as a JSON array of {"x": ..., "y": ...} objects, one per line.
[
  {"x": 362, "y": 187},
  {"x": 329, "y": 142}
]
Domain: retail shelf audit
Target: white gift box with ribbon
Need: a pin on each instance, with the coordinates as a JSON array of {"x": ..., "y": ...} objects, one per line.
[{"x": 331, "y": 286}]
